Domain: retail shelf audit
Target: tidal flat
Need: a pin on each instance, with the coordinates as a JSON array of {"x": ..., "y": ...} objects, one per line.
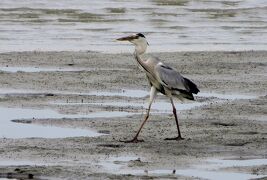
[{"x": 225, "y": 134}]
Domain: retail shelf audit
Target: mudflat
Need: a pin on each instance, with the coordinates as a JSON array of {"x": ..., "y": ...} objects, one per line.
[{"x": 229, "y": 121}]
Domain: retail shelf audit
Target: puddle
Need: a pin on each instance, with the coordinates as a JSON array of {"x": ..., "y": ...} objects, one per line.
[
  {"x": 115, "y": 164},
  {"x": 159, "y": 106},
  {"x": 212, "y": 170},
  {"x": 216, "y": 175},
  {"x": 19, "y": 163},
  {"x": 167, "y": 107},
  {"x": 10, "y": 129},
  {"x": 13, "y": 130},
  {"x": 240, "y": 163},
  {"x": 124, "y": 92},
  {"x": 206, "y": 171},
  {"x": 227, "y": 96},
  {"x": 36, "y": 69},
  {"x": 143, "y": 93},
  {"x": 53, "y": 69},
  {"x": 213, "y": 175}
]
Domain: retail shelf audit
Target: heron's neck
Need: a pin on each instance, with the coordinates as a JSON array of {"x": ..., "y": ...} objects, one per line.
[
  {"x": 140, "y": 48},
  {"x": 139, "y": 60}
]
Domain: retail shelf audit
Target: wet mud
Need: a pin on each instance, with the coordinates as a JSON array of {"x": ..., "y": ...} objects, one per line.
[{"x": 225, "y": 131}]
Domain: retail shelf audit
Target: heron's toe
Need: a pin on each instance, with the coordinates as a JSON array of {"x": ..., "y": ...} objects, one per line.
[{"x": 178, "y": 138}]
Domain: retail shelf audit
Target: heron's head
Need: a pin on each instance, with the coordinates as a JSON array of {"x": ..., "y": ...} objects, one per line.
[{"x": 139, "y": 40}]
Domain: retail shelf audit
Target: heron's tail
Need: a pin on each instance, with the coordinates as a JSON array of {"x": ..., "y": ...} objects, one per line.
[
  {"x": 183, "y": 94},
  {"x": 190, "y": 86},
  {"x": 187, "y": 93}
]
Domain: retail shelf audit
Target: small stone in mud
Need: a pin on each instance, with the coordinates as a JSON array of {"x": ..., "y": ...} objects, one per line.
[
  {"x": 137, "y": 160},
  {"x": 223, "y": 124},
  {"x": 237, "y": 144},
  {"x": 137, "y": 163},
  {"x": 111, "y": 145},
  {"x": 104, "y": 131},
  {"x": 22, "y": 121},
  {"x": 30, "y": 176},
  {"x": 17, "y": 169},
  {"x": 49, "y": 94},
  {"x": 9, "y": 175}
]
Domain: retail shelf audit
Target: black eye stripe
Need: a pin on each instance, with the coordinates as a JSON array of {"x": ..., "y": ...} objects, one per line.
[{"x": 141, "y": 35}]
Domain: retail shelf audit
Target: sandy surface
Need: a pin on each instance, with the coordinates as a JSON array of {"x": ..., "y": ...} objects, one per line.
[{"x": 235, "y": 129}]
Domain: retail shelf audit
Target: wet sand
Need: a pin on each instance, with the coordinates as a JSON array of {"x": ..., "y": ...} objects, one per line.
[{"x": 221, "y": 129}]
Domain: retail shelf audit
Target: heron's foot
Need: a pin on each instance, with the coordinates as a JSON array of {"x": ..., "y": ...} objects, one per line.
[
  {"x": 134, "y": 140},
  {"x": 178, "y": 138}
]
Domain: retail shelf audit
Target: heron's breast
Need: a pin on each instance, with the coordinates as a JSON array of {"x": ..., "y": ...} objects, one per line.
[{"x": 153, "y": 82}]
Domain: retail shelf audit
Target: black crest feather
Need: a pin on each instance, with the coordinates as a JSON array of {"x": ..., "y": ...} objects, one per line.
[{"x": 141, "y": 35}]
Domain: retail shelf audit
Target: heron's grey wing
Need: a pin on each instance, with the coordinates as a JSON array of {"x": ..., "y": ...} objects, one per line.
[{"x": 169, "y": 77}]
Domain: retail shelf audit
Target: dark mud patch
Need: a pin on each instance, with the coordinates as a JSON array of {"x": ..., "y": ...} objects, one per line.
[
  {"x": 237, "y": 144},
  {"x": 22, "y": 121},
  {"x": 248, "y": 133},
  {"x": 111, "y": 145},
  {"x": 104, "y": 131},
  {"x": 17, "y": 174}
]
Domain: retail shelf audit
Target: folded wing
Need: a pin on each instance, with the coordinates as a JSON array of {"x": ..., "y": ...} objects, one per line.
[{"x": 175, "y": 82}]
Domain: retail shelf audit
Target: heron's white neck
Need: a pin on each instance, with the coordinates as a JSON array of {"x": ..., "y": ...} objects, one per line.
[
  {"x": 140, "y": 46},
  {"x": 140, "y": 49},
  {"x": 137, "y": 54}
]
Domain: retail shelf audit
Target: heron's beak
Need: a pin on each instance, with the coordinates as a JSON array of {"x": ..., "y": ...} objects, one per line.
[{"x": 127, "y": 38}]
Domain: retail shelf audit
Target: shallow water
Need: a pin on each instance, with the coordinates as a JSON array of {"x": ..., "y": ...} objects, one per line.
[
  {"x": 216, "y": 175},
  {"x": 121, "y": 161},
  {"x": 219, "y": 163},
  {"x": 10, "y": 129},
  {"x": 206, "y": 171},
  {"x": 126, "y": 93},
  {"x": 212, "y": 175},
  {"x": 227, "y": 96},
  {"x": 212, "y": 170},
  {"x": 53, "y": 69},
  {"x": 169, "y": 25},
  {"x": 160, "y": 106},
  {"x": 19, "y": 163},
  {"x": 143, "y": 93},
  {"x": 123, "y": 92},
  {"x": 35, "y": 69},
  {"x": 13, "y": 130}
]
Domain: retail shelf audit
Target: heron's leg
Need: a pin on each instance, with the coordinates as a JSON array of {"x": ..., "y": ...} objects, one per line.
[
  {"x": 179, "y": 137},
  {"x": 153, "y": 93}
]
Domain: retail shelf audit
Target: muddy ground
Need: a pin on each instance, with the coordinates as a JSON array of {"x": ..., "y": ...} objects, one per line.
[{"x": 235, "y": 129}]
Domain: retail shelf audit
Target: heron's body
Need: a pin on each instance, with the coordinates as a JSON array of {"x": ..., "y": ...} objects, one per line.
[
  {"x": 162, "y": 78},
  {"x": 157, "y": 74}
]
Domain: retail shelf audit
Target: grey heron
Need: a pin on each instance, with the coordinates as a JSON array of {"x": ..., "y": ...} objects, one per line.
[{"x": 162, "y": 78}]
